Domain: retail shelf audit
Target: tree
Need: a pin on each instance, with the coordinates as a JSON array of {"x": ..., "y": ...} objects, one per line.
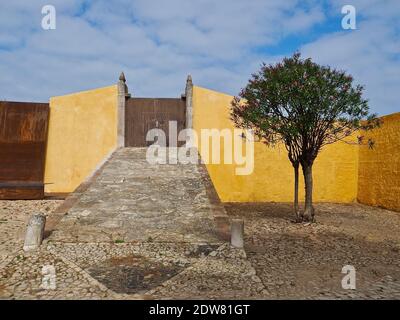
[{"x": 305, "y": 106}]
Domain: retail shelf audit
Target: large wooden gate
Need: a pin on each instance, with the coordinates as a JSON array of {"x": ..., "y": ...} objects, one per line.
[
  {"x": 23, "y": 136},
  {"x": 144, "y": 114}
]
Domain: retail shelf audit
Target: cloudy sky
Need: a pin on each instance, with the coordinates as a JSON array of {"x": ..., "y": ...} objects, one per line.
[{"x": 220, "y": 43}]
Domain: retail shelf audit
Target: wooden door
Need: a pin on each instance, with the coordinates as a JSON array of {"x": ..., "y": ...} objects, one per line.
[{"x": 144, "y": 114}]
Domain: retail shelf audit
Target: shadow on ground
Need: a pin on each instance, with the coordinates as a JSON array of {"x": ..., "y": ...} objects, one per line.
[{"x": 302, "y": 260}]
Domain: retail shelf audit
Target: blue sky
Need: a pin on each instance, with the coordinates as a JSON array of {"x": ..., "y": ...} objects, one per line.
[{"x": 220, "y": 43}]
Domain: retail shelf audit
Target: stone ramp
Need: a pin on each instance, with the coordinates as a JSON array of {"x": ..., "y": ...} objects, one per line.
[{"x": 131, "y": 200}]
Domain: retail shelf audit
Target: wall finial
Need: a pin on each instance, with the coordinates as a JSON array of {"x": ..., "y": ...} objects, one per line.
[
  {"x": 189, "y": 79},
  {"x": 122, "y": 77}
]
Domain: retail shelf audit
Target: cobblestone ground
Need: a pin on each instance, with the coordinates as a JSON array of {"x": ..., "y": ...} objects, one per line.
[
  {"x": 116, "y": 270},
  {"x": 106, "y": 248},
  {"x": 13, "y": 218},
  {"x": 305, "y": 261},
  {"x": 281, "y": 260},
  {"x": 137, "y": 231}
]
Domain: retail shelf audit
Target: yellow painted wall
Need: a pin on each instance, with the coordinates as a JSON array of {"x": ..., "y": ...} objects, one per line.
[
  {"x": 379, "y": 168},
  {"x": 82, "y": 132},
  {"x": 335, "y": 170}
]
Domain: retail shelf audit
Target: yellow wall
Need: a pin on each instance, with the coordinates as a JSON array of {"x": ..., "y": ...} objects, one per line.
[
  {"x": 82, "y": 132},
  {"x": 379, "y": 168},
  {"x": 335, "y": 170}
]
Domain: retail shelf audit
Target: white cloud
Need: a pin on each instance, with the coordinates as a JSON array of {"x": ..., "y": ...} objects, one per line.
[
  {"x": 157, "y": 43},
  {"x": 371, "y": 53}
]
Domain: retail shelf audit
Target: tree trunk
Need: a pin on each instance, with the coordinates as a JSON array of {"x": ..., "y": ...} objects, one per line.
[
  {"x": 308, "y": 184},
  {"x": 296, "y": 192}
]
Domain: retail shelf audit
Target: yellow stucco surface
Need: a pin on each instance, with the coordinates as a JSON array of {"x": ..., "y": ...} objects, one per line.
[
  {"x": 82, "y": 132},
  {"x": 379, "y": 168},
  {"x": 335, "y": 170}
]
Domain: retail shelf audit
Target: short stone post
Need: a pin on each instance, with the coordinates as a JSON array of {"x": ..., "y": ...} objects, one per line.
[
  {"x": 34, "y": 232},
  {"x": 237, "y": 233}
]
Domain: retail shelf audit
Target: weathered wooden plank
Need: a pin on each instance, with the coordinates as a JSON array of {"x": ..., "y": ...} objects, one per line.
[
  {"x": 22, "y": 192},
  {"x": 23, "y": 136},
  {"x": 23, "y": 121},
  {"x": 144, "y": 114},
  {"x": 22, "y": 161}
]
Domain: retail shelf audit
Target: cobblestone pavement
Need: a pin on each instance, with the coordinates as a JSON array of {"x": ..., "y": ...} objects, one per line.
[
  {"x": 173, "y": 253},
  {"x": 305, "y": 261},
  {"x": 14, "y": 216},
  {"x": 281, "y": 260},
  {"x": 130, "y": 234}
]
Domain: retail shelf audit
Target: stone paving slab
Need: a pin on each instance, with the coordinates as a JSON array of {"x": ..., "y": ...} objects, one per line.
[{"x": 133, "y": 200}]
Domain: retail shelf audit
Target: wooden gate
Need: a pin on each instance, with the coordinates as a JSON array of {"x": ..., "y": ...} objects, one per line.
[
  {"x": 23, "y": 136},
  {"x": 144, "y": 114}
]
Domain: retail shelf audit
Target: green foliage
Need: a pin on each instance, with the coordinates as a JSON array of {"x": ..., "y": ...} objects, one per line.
[{"x": 302, "y": 104}]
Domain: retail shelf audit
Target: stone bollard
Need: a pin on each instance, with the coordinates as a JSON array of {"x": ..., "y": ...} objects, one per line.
[
  {"x": 237, "y": 232},
  {"x": 34, "y": 232}
]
